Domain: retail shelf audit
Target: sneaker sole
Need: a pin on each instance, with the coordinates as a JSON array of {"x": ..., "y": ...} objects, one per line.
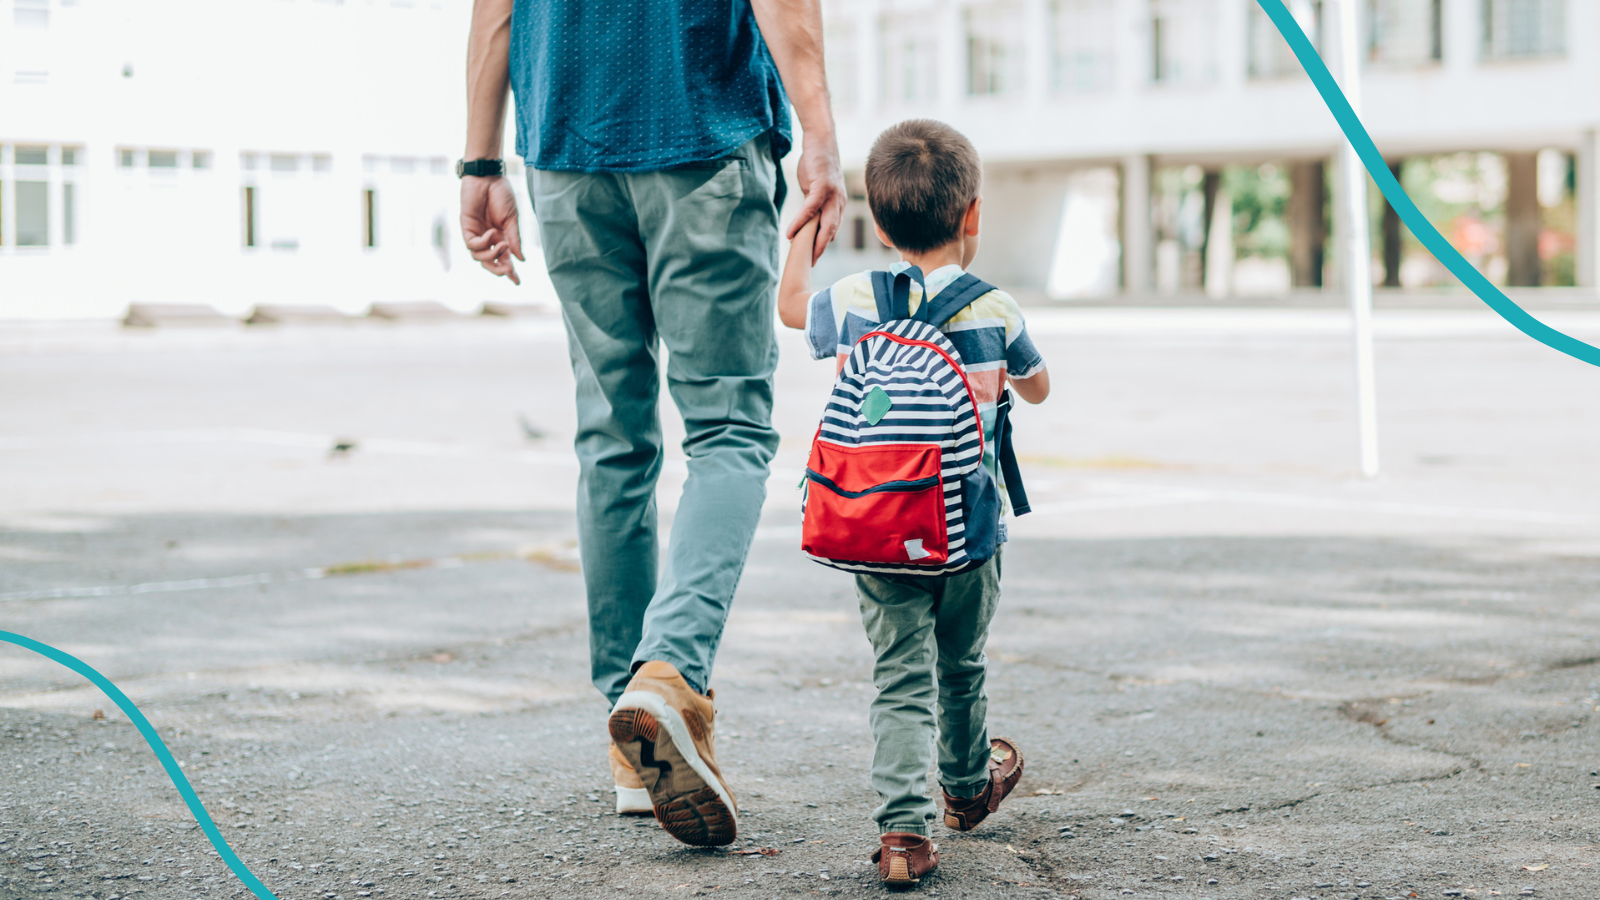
[
  {"x": 634, "y": 802},
  {"x": 689, "y": 801}
]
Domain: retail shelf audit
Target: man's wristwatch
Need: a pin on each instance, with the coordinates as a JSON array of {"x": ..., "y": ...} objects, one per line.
[{"x": 480, "y": 168}]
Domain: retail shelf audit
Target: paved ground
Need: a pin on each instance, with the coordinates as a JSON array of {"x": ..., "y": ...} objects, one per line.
[{"x": 1236, "y": 670}]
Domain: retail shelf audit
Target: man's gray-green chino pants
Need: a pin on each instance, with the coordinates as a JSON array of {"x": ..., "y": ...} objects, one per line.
[
  {"x": 928, "y": 635},
  {"x": 684, "y": 259}
]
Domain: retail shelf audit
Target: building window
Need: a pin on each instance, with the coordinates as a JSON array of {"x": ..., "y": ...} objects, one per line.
[
  {"x": 1270, "y": 56},
  {"x": 32, "y": 156},
  {"x": 33, "y": 213},
  {"x": 284, "y": 162},
  {"x": 858, "y": 233},
  {"x": 69, "y": 213},
  {"x": 908, "y": 59},
  {"x": 69, "y": 156},
  {"x": 1523, "y": 28},
  {"x": 1081, "y": 36},
  {"x": 200, "y": 159},
  {"x": 1183, "y": 41},
  {"x": 1405, "y": 32},
  {"x": 251, "y": 216},
  {"x": 126, "y": 158},
  {"x": 31, "y": 13},
  {"x": 322, "y": 162},
  {"x": 369, "y": 218},
  {"x": 994, "y": 54},
  {"x": 162, "y": 159}
]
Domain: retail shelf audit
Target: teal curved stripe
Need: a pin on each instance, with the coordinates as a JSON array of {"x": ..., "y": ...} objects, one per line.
[
  {"x": 1430, "y": 237},
  {"x": 160, "y": 748}
]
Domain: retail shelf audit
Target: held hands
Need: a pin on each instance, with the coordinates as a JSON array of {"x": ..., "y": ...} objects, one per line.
[
  {"x": 489, "y": 224},
  {"x": 821, "y": 179}
]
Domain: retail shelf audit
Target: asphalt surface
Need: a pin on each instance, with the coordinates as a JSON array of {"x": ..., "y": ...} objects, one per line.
[{"x": 1235, "y": 669}]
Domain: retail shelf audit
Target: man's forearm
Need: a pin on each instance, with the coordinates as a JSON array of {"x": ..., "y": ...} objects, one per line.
[
  {"x": 793, "y": 32},
  {"x": 488, "y": 77}
]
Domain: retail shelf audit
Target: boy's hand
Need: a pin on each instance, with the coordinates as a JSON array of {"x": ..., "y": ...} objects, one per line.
[{"x": 794, "y": 289}]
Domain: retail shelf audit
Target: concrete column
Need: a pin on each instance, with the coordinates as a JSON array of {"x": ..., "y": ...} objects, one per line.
[
  {"x": 1392, "y": 236},
  {"x": 1308, "y": 231},
  {"x": 1522, "y": 219},
  {"x": 56, "y": 210},
  {"x": 1138, "y": 231},
  {"x": 1219, "y": 247},
  {"x": 1208, "y": 190},
  {"x": 1588, "y": 200},
  {"x": 8, "y": 200}
]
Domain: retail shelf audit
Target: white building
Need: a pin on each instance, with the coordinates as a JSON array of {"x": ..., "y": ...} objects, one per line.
[
  {"x": 1103, "y": 125},
  {"x": 232, "y": 153},
  {"x": 300, "y": 151}
]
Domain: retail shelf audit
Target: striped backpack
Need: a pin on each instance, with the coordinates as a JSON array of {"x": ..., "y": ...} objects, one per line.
[{"x": 895, "y": 484}]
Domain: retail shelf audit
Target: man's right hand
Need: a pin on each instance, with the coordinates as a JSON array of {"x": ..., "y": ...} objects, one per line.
[
  {"x": 489, "y": 224},
  {"x": 822, "y": 179}
]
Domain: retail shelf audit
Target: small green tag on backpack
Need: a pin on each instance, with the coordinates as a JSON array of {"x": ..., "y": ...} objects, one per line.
[{"x": 876, "y": 405}]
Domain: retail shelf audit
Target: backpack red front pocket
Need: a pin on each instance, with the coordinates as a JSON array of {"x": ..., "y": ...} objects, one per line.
[{"x": 875, "y": 503}]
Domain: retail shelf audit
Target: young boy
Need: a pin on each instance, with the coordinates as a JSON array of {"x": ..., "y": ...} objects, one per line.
[{"x": 927, "y": 632}]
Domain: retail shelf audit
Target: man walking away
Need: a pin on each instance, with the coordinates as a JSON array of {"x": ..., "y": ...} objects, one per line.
[{"x": 653, "y": 130}]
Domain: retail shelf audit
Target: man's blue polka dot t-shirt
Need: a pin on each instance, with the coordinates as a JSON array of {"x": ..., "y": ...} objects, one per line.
[{"x": 641, "y": 85}]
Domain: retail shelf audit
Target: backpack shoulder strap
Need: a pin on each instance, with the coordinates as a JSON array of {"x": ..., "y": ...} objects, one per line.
[
  {"x": 893, "y": 293},
  {"x": 953, "y": 299},
  {"x": 1006, "y": 455}
]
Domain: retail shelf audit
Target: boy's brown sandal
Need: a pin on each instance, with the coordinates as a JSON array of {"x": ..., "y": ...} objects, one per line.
[
  {"x": 904, "y": 858},
  {"x": 1005, "y": 770}
]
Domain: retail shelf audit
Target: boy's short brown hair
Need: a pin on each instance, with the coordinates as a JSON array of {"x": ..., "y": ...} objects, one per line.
[{"x": 921, "y": 177}]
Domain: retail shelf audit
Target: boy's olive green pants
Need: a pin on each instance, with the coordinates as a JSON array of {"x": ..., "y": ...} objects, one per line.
[
  {"x": 685, "y": 259},
  {"x": 928, "y": 636}
]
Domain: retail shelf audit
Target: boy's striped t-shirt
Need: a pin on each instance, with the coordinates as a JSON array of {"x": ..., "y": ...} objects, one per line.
[{"x": 989, "y": 334}]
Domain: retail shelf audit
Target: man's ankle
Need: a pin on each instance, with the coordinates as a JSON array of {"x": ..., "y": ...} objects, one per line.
[{"x": 698, "y": 689}]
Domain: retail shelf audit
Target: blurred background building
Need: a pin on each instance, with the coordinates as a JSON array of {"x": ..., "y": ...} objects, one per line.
[
  {"x": 1158, "y": 147},
  {"x": 236, "y": 153},
  {"x": 301, "y": 151}
]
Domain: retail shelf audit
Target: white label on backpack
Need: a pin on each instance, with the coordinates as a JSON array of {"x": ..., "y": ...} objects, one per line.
[{"x": 914, "y": 549}]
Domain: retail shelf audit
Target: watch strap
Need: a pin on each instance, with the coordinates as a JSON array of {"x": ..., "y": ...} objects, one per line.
[{"x": 480, "y": 168}]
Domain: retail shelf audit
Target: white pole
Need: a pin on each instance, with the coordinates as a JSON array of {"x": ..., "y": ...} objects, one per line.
[{"x": 1358, "y": 251}]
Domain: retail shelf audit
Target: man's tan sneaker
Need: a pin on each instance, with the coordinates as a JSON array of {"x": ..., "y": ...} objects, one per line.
[
  {"x": 664, "y": 730},
  {"x": 632, "y": 798}
]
